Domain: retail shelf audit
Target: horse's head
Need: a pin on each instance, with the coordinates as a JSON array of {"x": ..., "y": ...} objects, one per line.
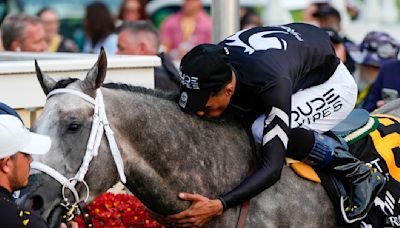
[{"x": 67, "y": 118}]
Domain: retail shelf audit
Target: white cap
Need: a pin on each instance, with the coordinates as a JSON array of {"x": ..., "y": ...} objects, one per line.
[{"x": 14, "y": 137}]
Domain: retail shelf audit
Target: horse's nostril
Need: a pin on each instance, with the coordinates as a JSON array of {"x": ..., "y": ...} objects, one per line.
[{"x": 37, "y": 203}]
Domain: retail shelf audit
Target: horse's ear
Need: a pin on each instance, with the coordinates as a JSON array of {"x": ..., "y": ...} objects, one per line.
[
  {"x": 46, "y": 82},
  {"x": 95, "y": 77}
]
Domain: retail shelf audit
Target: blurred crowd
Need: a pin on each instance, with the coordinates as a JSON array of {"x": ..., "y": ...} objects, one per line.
[{"x": 373, "y": 62}]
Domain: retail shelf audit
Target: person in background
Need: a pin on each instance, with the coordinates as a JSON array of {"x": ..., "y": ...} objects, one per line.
[
  {"x": 337, "y": 43},
  {"x": 142, "y": 38},
  {"x": 1, "y": 43},
  {"x": 132, "y": 10},
  {"x": 189, "y": 27},
  {"x": 21, "y": 32},
  {"x": 5, "y": 109},
  {"x": 250, "y": 19},
  {"x": 17, "y": 145},
  {"x": 308, "y": 12},
  {"x": 55, "y": 41},
  {"x": 328, "y": 17},
  {"x": 99, "y": 29},
  {"x": 376, "y": 49},
  {"x": 385, "y": 88}
]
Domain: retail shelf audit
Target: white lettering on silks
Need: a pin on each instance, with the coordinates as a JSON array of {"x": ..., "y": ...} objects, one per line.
[
  {"x": 316, "y": 108},
  {"x": 291, "y": 31}
]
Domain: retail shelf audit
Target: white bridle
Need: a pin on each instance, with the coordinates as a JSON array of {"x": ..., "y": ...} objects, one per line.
[{"x": 99, "y": 125}]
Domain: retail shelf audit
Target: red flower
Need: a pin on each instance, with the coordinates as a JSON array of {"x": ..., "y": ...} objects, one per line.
[{"x": 118, "y": 210}]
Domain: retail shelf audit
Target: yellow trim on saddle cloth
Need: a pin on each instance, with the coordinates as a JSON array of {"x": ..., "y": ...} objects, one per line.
[
  {"x": 386, "y": 119},
  {"x": 303, "y": 170},
  {"x": 385, "y": 145}
]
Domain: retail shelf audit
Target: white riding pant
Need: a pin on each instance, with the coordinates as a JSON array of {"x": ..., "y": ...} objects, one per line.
[{"x": 321, "y": 107}]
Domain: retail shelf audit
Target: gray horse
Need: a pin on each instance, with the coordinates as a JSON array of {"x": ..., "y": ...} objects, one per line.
[{"x": 164, "y": 152}]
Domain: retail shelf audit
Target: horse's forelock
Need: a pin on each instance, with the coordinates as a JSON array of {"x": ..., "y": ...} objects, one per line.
[{"x": 63, "y": 83}]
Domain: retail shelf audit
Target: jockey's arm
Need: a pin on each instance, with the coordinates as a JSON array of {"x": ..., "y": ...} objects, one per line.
[{"x": 276, "y": 101}]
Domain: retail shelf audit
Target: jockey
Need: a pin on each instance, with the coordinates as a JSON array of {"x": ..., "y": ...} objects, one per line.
[{"x": 286, "y": 82}]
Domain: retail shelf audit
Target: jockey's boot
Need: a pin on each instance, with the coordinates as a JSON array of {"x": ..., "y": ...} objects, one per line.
[{"x": 364, "y": 182}]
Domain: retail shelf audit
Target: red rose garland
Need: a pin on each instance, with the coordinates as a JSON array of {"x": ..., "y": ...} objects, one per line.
[{"x": 118, "y": 210}]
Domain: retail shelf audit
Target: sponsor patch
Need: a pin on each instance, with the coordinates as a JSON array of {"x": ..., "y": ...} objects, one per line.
[
  {"x": 189, "y": 82},
  {"x": 317, "y": 108},
  {"x": 183, "y": 99}
]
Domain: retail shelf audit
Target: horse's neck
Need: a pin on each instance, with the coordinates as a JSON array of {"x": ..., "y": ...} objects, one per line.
[{"x": 167, "y": 151}]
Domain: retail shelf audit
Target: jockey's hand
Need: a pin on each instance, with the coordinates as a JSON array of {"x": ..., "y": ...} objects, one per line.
[
  {"x": 199, "y": 213},
  {"x": 380, "y": 103},
  {"x": 71, "y": 224}
]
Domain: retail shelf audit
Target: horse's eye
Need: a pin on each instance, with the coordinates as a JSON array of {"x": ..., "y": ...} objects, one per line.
[{"x": 74, "y": 127}]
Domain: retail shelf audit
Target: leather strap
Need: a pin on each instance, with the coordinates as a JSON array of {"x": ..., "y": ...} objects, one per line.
[
  {"x": 87, "y": 219},
  {"x": 244, "y": 209}
]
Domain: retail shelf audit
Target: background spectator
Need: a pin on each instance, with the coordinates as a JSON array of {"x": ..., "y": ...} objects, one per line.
[
  {"x": 185, "y": 29},
  {"x": 142, "y": 38},
  {"x": 5, "y": 109},
  {"x": 99, "y": 29},
  {"x": 337, "y": 43},
  {"x": 328, "y": 17},
  {"x": 250, "y": 19},
  {"x": 385, "y": 88},
  {"x": 21, "y": 32},
  {"x": 308, "y": 12},
  {"x": 16, "y": 146},
  {"x": 133, "y": 10},
  {"x": 55, "y": 41},
  {"x": 375, "y": 49},
  {"x": 1, "y": 43}
]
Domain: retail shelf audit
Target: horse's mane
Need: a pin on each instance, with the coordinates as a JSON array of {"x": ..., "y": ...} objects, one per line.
[
  {"x": 173, "y": 96},
  {"x": 156, "y": 93}
]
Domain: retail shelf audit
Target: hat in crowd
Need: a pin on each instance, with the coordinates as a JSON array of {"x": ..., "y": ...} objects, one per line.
[
  {"x": 5, "y": 109},
  {"x": 14, "y": 137},
  {"x": 333, "y": 35},
  {"x": 376, "y": 49},
  {"x": 203, "y": 70},
  {"x": 326, "y": 10}
]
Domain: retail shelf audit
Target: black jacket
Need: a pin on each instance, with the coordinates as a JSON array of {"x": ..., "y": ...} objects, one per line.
[
  {"x": 272, "y": 63},
  {"x": 13, "y": 215}
]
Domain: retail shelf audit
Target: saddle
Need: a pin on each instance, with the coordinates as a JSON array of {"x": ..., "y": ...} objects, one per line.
[
  {"x": 356, "y": 126},
  {"x": 378, "y": 138}
]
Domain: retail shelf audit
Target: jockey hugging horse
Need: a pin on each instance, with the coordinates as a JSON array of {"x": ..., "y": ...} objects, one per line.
[{"x": 161, "y": 151}]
